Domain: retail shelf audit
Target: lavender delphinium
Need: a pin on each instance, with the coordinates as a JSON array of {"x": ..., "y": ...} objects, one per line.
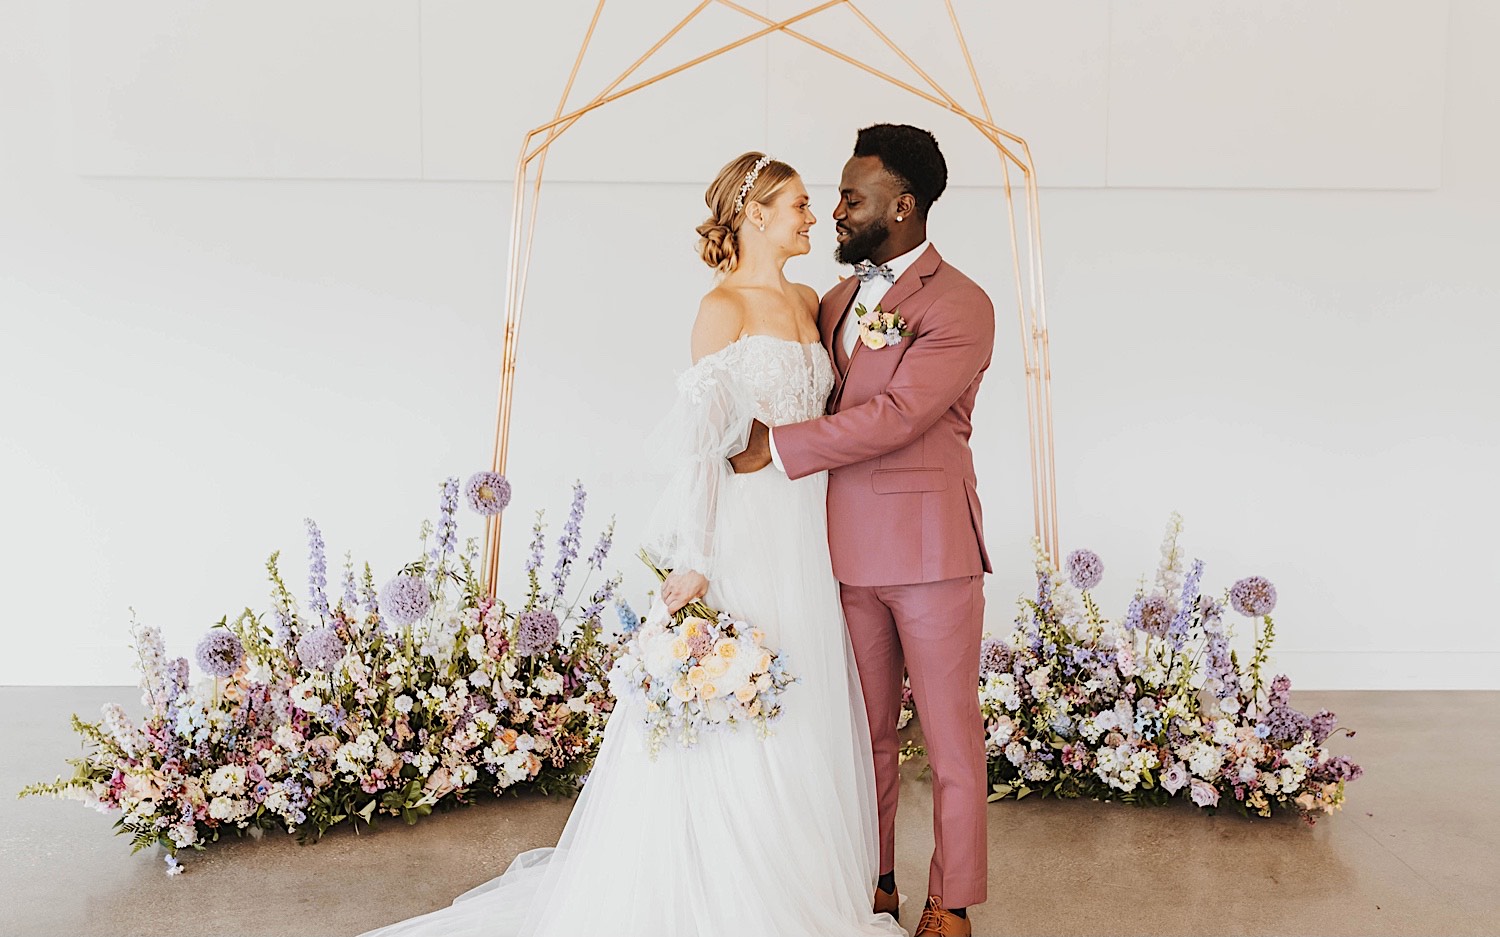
[
  {"x": 1253, "y": 596},
  {"x": 1085, "y": 569},
  {"x": 1135, "y": 614},
  {"x": 488, "y": 493},
  {"x": 220, "y": 653},
  {"x": 536, "y": 632},
  {"x": 1323, "y": 723},
  {"x": 601, "y": 549},
  {"x": 1179, "y": 628},
  {"x": 404, "y": 599},
  {"x": 538, "y": 544},
  {"x": 568, "y": 543},
  {"x": 351, "y": 595},
  {"x": 317, "y": 569},
  {"x": 447, "y": 527},
  {"x": 321, "y": 649}
]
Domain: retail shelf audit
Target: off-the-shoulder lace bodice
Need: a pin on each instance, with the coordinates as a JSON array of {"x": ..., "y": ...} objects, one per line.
[{"x": 788, "y": 381}]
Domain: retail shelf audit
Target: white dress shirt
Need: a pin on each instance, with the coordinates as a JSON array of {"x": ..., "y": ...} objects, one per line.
[{"x": 868, "y": 295}]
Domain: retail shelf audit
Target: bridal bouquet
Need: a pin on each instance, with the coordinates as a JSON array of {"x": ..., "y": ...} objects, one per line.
[{"x": 700, "y": 669}]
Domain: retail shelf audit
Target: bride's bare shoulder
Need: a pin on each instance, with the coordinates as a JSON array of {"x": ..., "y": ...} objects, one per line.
[
  {"x": 808, "y": 297},
  {"x": 721, "y": 318}
]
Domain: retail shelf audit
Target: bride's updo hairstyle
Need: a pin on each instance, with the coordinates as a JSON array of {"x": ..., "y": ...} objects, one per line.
[{"x": 752, "y": 177}]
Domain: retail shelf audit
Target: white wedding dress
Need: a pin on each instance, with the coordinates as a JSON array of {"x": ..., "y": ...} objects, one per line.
[{"x": 738, "y": 835}]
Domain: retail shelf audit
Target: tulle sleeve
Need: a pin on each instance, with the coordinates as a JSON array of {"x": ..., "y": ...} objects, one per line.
[{"x": 708, "y": 423}]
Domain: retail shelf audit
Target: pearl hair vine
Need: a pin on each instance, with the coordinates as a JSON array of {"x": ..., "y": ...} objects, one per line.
[{"x": 750, "y": 177}]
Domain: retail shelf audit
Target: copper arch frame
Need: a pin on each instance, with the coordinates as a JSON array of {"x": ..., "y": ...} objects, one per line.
[{"x": 1030, "y": 296}]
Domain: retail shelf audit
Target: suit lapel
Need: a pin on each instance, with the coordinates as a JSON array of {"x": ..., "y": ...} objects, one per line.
[
  {"x": 831, "y": 319},
  {"x": 903, "y": 289}
]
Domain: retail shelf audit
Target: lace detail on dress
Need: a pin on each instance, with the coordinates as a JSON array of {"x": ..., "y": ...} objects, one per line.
[{"x": 788, "y": 381}]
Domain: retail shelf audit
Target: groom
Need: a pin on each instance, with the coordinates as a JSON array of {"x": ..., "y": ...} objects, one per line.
[{"x": 904, "y": 526}]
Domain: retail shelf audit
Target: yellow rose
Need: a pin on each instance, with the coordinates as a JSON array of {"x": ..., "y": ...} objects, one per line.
[
  {"x": 680, "y": 649},
  {"x": 727, "y": 649},
  {"x": 692, "y": 627},
  {"x": 745, "y": 693},
  {"x": 697, "y": 677},
  {"x": 708, "y": 691},
  {"x": 682, "y": 691},
  {"x": 764, "y": 663},
  {"x": 873, "y": 340}
]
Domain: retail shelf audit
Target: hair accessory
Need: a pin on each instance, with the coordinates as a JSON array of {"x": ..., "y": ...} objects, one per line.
[{"x": 750, "y": 177}]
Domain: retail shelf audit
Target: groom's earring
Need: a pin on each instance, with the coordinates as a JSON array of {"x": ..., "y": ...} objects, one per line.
[{"x": 898, "y": 217}]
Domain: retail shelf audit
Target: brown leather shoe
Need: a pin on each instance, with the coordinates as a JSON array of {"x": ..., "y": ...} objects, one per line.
[
  {"x": 938, "y": 921},
  {"x": 887, "y": 902}
]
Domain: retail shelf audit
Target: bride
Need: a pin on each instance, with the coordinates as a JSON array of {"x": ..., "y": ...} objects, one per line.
[{"x": 738, "y": 835}]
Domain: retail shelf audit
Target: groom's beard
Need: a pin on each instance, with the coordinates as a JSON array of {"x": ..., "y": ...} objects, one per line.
[{"x": 862, "y": 243}]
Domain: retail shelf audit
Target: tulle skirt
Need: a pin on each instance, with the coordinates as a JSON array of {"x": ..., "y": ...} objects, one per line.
[{"x": 738, "y": 835}]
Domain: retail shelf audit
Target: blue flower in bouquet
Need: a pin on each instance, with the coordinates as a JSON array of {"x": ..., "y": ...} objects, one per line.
[
  {"x": 488, "y": 493},
  {"x": 1085, "y": 569},
  {"x": 536, "y": 632},
  {"x": 404, "y": 599},
  {"x": 321, "y": 649},
  {"x": 1253, "y": 596},
  {"x": 220, "y": 653},
  {"x": 629, "y": 620}
]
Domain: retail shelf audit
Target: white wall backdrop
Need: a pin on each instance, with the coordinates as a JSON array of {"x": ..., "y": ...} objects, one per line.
[{"x": 252, "y": 262}]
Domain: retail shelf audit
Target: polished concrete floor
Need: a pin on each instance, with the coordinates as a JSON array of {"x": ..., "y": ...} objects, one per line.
[{"x": 1415, "y": 851}]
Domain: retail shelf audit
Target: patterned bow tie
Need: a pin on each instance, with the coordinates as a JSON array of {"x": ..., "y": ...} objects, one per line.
[{"x": 867, "y": 271}]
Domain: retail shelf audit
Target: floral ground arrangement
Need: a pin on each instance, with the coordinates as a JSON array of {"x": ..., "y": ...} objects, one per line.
[
  {"x": 1155, "y": 706},
  {"x": 426, "y": 693},
  {"x": 422, "y": 694}
]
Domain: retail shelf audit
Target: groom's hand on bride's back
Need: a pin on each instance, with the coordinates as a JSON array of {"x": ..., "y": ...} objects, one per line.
[{"x": 757, "y": 454}]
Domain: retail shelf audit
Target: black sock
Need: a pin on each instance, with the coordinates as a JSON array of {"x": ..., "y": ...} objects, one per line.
[
  {"x": 887, "y": 883},
  {"x": 961, "y": 912}
]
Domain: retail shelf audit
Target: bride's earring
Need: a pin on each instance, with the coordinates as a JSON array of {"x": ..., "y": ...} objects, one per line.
[{"x": 762, "y": 227}]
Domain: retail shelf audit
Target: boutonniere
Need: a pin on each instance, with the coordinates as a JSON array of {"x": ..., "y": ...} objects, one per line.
[{"x": 878, "y": 328}]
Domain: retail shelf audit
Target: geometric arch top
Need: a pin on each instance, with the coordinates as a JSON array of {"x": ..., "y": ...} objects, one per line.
[{"x": 1021, "y": 216}]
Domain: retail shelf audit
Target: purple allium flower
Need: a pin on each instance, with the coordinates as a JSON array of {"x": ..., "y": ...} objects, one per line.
[
  {"x": 320, "y": 649},
  {"x": 1323, "y": 723},
  {"x": 220, "y": 653},
  {"x": 1253, "y": 596},
  {"x": 447, "y": 527},
  {"x": 1284, "y": 724},
  {"x": 1174, "y": 777},
  {"x": 1204, "y": 794},
  {"x": 536, "y": 632},
  {"x": 404, "y": 599},
  {"x": 994, "y": 656},
  {"x": 1085, "y": 569},
  {"x": 1156, "y": 614},
  {"x": 317, "y": 569},
  {"x": 488, "y": 493}
]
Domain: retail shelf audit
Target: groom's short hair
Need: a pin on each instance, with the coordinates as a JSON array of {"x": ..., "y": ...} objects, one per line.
[{"x": 910, "y": 154}]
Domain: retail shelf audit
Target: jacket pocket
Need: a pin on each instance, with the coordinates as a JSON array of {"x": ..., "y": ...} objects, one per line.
[{"x": 893, "y": 481}]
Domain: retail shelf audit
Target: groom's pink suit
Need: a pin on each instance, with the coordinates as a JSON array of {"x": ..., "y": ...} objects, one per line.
[{"x": 907, "y": 543}]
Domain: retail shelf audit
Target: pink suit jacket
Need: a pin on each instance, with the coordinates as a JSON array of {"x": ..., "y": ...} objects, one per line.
[{"x": 902, "y": 501}]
